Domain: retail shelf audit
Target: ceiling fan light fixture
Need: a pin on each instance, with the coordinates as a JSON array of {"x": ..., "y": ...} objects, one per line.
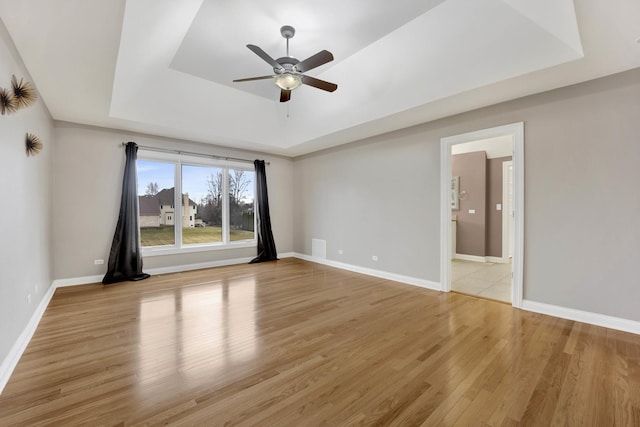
[{"x": 288, "y": 81}]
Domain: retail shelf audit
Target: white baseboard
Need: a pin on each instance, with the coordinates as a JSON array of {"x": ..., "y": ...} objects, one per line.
[
  {"x": 603, "y": 320},
  {"x": 198, "y": 266},
  {"x": 477, "y": 258},
  {"x": 75, "y": 281},
  {"x": 287, "y": 255},
  {"x": 85, "y": 280},
  {"x": 375, "y": 273},
  {"x": 11, "y": 360},
  {"x": 474, "y": 258}
]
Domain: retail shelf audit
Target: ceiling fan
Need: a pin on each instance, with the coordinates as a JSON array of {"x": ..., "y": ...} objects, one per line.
[{"x": 288, "y": 71}]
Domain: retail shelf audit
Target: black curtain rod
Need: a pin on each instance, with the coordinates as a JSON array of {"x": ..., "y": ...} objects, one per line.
[{"x": 190, "y": 153}]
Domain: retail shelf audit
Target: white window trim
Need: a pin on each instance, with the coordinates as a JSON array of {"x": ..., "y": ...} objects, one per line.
[{"x": 178, "y": 247}]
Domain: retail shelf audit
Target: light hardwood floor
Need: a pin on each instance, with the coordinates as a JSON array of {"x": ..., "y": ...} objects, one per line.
[{"x": 300, "y": 344}]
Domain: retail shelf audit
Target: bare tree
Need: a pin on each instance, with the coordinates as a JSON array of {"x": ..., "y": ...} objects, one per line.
[
  {"x": 152, "y": 189},
  {"x": 214, "y": 188},
  {"x": 238, "y": 183},
  {"x": 210, "y": 208}
]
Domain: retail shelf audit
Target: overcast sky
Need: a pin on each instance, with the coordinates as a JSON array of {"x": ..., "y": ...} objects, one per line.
[{"x": 194, "y": 178}]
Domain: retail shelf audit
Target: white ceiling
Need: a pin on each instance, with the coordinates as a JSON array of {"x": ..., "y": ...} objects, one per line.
[{"x": 165, "y": 67}]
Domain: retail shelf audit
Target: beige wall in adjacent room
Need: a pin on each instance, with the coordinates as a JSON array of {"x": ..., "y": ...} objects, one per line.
[
  {"x": 471, "y": 215},
  {"x": 381, "y": 196},
  {"x": 89, "y": 164},
  {"x": 26, "y": 215}
]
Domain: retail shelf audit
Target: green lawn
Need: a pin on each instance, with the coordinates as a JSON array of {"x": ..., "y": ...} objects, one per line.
[{"x": 210, "y": 234}]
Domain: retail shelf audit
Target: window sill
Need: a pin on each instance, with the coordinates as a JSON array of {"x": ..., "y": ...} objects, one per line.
[{"x": 172, "y": 250}]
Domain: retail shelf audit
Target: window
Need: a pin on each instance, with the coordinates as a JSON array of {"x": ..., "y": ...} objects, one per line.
[
  {"x": 241, "y": 217},
  {"x": 214, "y": 203},
  {"x": 155, "y": 186}
]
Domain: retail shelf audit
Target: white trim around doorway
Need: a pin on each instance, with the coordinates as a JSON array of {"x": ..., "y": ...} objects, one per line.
[{"x": 516, "y": 130}]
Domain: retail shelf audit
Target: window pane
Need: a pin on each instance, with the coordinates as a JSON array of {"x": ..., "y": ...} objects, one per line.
[
  {"x": 155, "y": 197},
  {"x": 201, "y": 204},
  {"x": 241, "y": 198}
]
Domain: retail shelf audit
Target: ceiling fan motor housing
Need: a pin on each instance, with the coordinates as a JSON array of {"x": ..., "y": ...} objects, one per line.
[{"x": 287, "y": 62}]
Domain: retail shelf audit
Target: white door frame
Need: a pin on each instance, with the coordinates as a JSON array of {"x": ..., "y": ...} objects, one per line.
[{"x": 516, "y": 130}]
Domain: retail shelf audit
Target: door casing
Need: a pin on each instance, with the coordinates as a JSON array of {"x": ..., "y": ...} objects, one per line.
[{"x": 516, "y": 130}]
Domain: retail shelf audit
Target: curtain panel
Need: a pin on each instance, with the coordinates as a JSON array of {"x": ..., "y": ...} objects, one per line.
[
  {"x": 266, "y": 245},
  {"x": 125, "y": 259}
]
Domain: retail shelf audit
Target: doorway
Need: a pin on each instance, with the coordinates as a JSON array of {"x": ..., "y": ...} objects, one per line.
[{"x": 511, "y": 205}]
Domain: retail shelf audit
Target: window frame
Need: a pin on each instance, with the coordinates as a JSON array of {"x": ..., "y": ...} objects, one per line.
[{"x": 179, "y": 160}]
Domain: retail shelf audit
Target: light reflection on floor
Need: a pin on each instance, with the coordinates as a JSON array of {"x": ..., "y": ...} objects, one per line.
[{"x": 197, "y": 332}]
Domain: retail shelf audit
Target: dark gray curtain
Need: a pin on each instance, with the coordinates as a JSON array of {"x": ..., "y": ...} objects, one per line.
[
  {"x": 266, "y": 244},
  {"x": 125, "y": 261}
]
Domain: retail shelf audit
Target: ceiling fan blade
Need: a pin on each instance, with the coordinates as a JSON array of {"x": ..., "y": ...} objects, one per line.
[
  {"x": 314, "y": 61},
  {"x": 285, "y": 95},
  {"x": 264, "y": 55},
  {"x": 320, "y": 84},
  {"x": 253, "y": 78}
]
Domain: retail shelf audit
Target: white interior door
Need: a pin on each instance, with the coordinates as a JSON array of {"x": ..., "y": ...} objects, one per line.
[{"x": 507, "y": 210}]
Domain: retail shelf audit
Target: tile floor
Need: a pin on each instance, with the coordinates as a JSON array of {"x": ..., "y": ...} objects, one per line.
[{"x": 483, "y": 279}]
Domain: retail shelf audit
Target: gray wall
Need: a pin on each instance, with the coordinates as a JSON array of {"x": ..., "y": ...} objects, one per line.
[
  {"x": 87, "y": 183},
  {"x": 471, "y": 227},
  {"x": 378, "y": 198},
  {"x": 25, "y": 217},
  {"x": 381, "y": 195}
]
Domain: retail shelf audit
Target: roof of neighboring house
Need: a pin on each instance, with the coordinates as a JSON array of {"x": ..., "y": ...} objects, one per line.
[
  {"x": 148, "y": 205},
  {"x": 165, "y": 196}
]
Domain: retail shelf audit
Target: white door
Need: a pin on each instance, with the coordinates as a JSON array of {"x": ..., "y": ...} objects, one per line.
[{"x": 507, "y": 209}]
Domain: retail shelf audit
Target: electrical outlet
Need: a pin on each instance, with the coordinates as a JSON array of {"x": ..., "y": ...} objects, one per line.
[
  {"x": 29, "y": 299},
  {"x": 98, "y": 261},
  {"x": 340, "y": 251},
  {"x": 374, "y": 257}
]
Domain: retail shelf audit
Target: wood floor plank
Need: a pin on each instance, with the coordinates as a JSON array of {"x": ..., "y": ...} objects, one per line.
[{"x": 297, "y": 343}]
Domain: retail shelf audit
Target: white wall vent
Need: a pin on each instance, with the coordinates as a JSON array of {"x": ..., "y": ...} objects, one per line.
[{"x": 319, "y": 248}]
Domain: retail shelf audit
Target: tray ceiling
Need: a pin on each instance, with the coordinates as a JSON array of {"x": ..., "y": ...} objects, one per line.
[{"x": 165, "y": 67}]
